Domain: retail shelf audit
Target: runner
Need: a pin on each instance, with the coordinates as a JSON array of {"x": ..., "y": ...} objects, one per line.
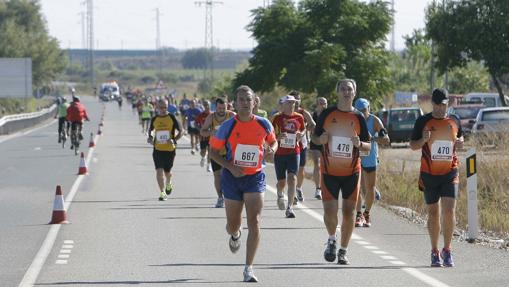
[
  {"x": 289, "y": 128},
  {"x": 209, "y": 128},
  {"x": 439, "y": 136},
  {"x": 310, "y": 125},
  {"x": 146, "y": 114},
  {"x": 192, "y": 127},
  {"x": 321, "y": 105},
  {"x": 204, "y": 140},
  {"x": 369, "y": 162},
  {"x": 343, "y": 133},
  {"x": 184, "y": 105},
  {"x": 164, "y": 141},
  {"x": 243, "y": 178},
  {"x": 257, "y": 111}
]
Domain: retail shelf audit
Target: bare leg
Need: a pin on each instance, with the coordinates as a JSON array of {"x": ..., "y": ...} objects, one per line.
[
  {"x": 369, "y": 183},
  {"x": 291, "y": 179},
  {"x": 348, "y": 221},
  {"x": 217, "y": 183},
  {"x": 315, "y": 155},
  {"x": 330, "y": 215},
  {"x": 300, "y": 177},
  {"x": 254, "y": 205},
  {"x": 160, "y": 179},
  {"x": 448, "y": 205},
  {"x": 233, "y": 210},
  {"x": 434, "y": 224}
]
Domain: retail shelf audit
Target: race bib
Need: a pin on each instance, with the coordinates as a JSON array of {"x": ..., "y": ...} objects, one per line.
[
  {"x": 192, "y": 124},
  {"x": 162, "y": 137},
  {"x": 441, "y": 150},
  {"x": 289, "y": 141},
  {"x": 185, "y": 107},
  {"x": 341, "y": 147},
  {"x": 246, "y": 155}
]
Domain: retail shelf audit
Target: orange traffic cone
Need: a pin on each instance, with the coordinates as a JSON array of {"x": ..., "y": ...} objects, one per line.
[
  {"x": 92, "y": 143},
  {"x": 59, "y": 215},
  {"x": 99, "y": 131},
  {"x": 83, "y": 166}
]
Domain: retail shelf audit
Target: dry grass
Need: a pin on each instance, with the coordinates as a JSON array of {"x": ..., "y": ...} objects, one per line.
[{"x": 398, "y": 182}]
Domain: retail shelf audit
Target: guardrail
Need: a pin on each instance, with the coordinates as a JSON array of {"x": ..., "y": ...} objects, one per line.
[{"x": 13, "y": 123}]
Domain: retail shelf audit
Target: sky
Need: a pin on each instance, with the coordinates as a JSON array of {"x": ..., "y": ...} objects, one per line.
[{"x": 122, "y": 24}]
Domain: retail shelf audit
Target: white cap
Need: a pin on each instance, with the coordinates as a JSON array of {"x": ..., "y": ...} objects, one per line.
[{"x": 287, "y": 98}]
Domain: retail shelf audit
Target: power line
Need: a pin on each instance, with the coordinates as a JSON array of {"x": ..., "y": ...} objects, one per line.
[
  {"x": 209, "y": 35},
  {"x": 158, "y": 40},
  {"x": 90, "y": 38}
]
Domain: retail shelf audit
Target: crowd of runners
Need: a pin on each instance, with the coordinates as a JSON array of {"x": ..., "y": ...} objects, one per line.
[{"x": 234, "y": 140}]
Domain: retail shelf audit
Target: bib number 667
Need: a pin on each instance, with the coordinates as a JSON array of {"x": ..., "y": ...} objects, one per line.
[{"x": 248, "y": 156}]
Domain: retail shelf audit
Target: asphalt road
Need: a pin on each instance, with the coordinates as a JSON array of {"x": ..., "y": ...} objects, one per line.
[{"x": 120, "y": 235}]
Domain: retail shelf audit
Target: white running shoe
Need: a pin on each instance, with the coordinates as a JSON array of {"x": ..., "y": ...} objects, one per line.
[
  {"x": 249, "y": 275},
  {"x": 235, "y": 243},
  {"x": 281, "y": 202},
  {"x": 220, "y": 202},
  {"x": 300, "y": 195},
  {"x": 318, "y": 194}
]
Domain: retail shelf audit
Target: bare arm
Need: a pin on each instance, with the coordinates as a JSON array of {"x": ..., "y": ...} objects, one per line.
[
  {"x": 206, "y": 127},
  {"x": 235, "y": 170}
]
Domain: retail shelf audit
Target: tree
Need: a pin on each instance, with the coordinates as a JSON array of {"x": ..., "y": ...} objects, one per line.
[
  {"x": 196, "y": 59},
  {"x": 310, "y": 47},
  {"x": 471, "y": 30},
  {"x": 23, "y": 34}
]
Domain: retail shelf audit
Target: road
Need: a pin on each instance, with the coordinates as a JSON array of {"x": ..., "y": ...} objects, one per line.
[{"x": 120, "y": 235}]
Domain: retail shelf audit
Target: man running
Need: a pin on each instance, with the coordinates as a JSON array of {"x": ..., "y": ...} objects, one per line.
[
  {"x": 439, "y": 136},
  {"x": 146, "y": 114},
  {"x": 310, "y": 125},
  {"x": 257, "y": 111},
  {"x": 164, "y": 141},
  {"x": 289, "y": 128},
  {"x": 316, "y": 150},
  {"x": 204, "y": 140},
  {"x": 343, "y": 133},
  {"x": 209, "y": 128},
  {"x": 243, "y": 179},
  {"x": 192, "y": 126},
  {"x": 369, "y": 163}
]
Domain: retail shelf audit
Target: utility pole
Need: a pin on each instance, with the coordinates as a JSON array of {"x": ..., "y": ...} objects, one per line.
[
  {"x": 90, "y": 35},
  {"x": 83, "y": 31},
  {"x": 393, "y": 30},
  {"x": 158, "y": 41},
  {"x": 266, "y": 3},
  {"x": 209, "y": 37}
]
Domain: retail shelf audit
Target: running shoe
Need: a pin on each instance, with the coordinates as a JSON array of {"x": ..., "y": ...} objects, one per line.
[
  {"x": 249, "y": 275},
  {"x": 163, "y": 196},
  {"x": 169, "y": 188},
  {"x": 295, "y": 201},
  {"x": 202, "y": 162},
  {"x": 367, "y": 220},
  {"x": 290, "y": 213},
  {"x": 300, "y": 195},
  {"x": 281, "y": 202},
  {"x": 330, "y": 251},
  {"x": 235, "y": 242},
  {"x": 447, "y": 256},
  {"x": 342, "y": 259},
  {"x": 209, "y": 168},
  {"x": 80, "y": 136},
  {"x": 192, "y": 151},
  {"x": 318, "y": 194},
  {"x": 359, "y": 220},
  {"x": 220, "y": 202},
  {"x": 378, "y": 195},
  {"x": 436, "y": 261}
]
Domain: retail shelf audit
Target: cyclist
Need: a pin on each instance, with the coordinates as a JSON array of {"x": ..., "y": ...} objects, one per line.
[
  {"x": 62, "y": 118},
  {"x": 76, "y": 114},
  {"x": 243, "y": 179}
]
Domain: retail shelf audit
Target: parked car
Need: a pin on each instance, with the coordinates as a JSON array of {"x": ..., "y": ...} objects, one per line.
[
  {"x": 491, "y": 125},
  {"x": 487, "y": 99},
  {"x": 466, "y": 113},
  {"x": 399, "y": 122}
]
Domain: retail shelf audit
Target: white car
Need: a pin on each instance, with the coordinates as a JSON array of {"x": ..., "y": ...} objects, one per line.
[{"x": 491, "y": 123}]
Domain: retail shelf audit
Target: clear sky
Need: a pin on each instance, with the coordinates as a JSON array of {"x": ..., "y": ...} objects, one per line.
[{"x": 131, "y": 24}]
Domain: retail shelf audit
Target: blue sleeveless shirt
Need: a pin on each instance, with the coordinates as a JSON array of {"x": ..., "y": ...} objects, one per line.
[{"x": 372, "y": 159}]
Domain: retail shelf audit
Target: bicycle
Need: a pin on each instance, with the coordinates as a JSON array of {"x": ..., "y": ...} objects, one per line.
[
  {"x": 63, "y": 137},
  {"x": 75, "y": 138}
]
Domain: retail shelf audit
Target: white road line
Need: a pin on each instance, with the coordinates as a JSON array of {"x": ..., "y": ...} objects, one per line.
[
  {"x": 411, "y": 271},
  {"x": 61, "y": 262},
  {"x": 63, "y": 256},
  {"x": 65, "y": 251},
  {"x": 68, "y": 241},
  {"x": 68, "y": 246},
  {"x": 370, "y": 247},
  {"x": 35, "y": 267},
  {"x": 388, "y": 257},
  {"x": 360, "y": 242}
]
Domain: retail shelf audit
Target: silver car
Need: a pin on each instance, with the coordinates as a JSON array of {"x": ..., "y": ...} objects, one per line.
[{"x": 491, "y": 124}]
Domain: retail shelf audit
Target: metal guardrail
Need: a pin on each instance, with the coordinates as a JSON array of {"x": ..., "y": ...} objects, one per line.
[{"x": 13, "y": 123}]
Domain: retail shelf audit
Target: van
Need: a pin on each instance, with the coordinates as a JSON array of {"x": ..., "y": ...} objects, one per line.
[
  {"x": 109, "y": 91},
  {"x": 487, "y": 99},
  {"x": 399, "y": 122}
]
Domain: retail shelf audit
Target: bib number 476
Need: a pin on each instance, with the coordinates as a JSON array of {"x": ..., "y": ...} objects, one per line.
[{"x": 343, "y": 147}]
